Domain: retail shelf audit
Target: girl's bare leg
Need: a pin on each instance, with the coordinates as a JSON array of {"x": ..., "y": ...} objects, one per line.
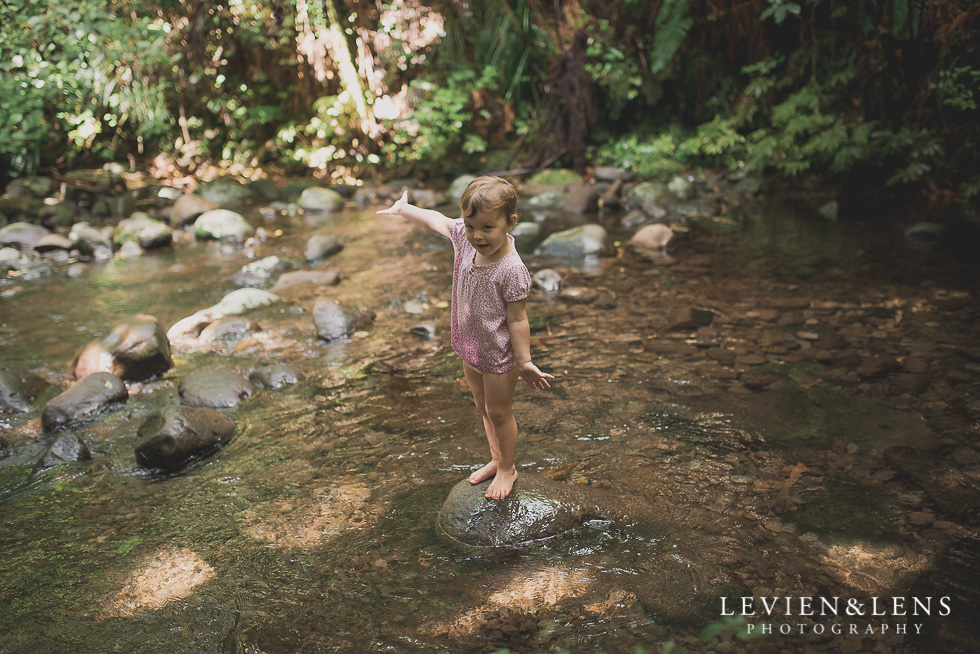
[
  {"x": 475, "y": 381},
  {"x": 498, "y": 392}
]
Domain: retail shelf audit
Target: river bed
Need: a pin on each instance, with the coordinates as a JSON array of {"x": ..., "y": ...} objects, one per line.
[{"x": 816, "y": 439}]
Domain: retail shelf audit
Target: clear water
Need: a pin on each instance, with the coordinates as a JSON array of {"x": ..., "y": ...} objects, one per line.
[{"x": 314, "y": 530}]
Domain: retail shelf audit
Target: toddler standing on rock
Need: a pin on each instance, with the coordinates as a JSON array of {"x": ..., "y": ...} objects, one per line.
[{"x": 490, "y": 329}]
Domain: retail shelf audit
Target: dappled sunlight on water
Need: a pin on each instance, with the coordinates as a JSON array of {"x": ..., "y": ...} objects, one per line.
[
  {"x": 751, "y": 460},
  {"x": 165, "y": 577}
]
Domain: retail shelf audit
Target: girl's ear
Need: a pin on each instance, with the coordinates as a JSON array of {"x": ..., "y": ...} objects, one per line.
[{"x": 511, "y": 221}]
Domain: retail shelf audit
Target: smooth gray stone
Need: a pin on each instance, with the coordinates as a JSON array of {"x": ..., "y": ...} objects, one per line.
[{"x": 218, "y": 388}]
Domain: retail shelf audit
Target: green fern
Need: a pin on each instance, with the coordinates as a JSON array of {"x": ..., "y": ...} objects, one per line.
[{"x": 672, "y": 27}]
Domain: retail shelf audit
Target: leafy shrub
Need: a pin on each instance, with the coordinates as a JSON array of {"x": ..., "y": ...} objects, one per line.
[{"x": 76, "y": 78}]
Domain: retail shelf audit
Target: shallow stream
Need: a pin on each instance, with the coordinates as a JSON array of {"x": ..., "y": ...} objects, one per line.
[{"x": 818, "y": 438}]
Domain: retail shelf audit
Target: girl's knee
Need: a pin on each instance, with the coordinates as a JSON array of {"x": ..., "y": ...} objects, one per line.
[{"x": 499, "y": 414}]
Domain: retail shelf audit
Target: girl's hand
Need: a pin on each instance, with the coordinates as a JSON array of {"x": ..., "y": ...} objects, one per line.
[
  {"x": 533, "y": 376},
  {"x": 396, "y": 209}
]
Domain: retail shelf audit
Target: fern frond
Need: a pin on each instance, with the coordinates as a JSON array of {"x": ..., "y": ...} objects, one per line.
[{"x": 672, "y": 27}]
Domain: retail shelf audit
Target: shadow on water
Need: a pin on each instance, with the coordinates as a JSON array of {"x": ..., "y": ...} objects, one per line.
[{"x": 314, "y": 529}]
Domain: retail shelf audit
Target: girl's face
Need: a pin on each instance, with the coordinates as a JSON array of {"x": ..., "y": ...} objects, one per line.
[{"x": 487, "y": 232}]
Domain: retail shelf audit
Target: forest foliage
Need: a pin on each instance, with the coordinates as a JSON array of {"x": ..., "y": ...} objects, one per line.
[{"x": 881, "y": 91}]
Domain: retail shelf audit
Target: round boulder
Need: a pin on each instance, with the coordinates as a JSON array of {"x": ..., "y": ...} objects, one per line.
[
  {"x": 145, "y": 231},
  {"x": 652, "y": 237},
  {"x": 169, "y": 438},
  {"x": 90, "y": 241},
  {"x": 137, "y": 348},
  {"x": 320, "y": 200},
  {"x": 321, "y": 246},
  {"x": 218, "y": 388},
  {"x": 222, "y": 225},
  {"x": 23, "y": 236},
  {"x": 52, "y": 242},
  {"x": 188, "y": 207},
  {"x": 225, "y": 190},
  {"x": 85, "y": 399},
  {"x": 576, "y": 243}
]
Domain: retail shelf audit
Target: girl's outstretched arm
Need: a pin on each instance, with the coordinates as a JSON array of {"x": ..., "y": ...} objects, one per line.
[
  {"x": 520, "y": 340},
  {"x": 421, "y": 217}
]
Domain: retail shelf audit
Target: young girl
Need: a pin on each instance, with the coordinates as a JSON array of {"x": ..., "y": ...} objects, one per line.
[{"x": 490, "y": 329}]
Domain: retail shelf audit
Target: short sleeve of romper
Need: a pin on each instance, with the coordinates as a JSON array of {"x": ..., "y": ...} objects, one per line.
[{"x": 479, "y": 304}]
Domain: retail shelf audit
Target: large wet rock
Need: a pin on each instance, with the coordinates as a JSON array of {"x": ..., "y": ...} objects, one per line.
[
  {"x": 88, "y": 397},
  {"x": 652, "y": 237},
  {"x": 90, "y": 241},
  {"x": 66, "y": 448},
  {"x": 23, "y": 236},
  {"x": 536, "y": 509},
  {"x": 321, "y": 246},
  {"x": 188, "y": 207},
  {"x": 217, "y": 388},
  {"x": 575, "y": 243},
  {"x": 225, "y": 190},
  {"x": 233, "y": 304},
  {"x": 223, "y": 225},
  {"x": 332, "y": 322},
  {"x": 137, "y": 348},
  {"x": 170, "y": 437},
  {"x": 320, "y": 200},
  {"x": 145, "y": 231},
  {"x": 19, "y": 389},
  {"x": 52, "y": 242}
]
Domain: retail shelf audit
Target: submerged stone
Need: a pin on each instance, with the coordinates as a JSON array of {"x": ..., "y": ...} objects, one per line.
[
  {"x": 274, "y": 375},
  {"x": 18, "y": 389},
  {"x": 217, "y": 388},
  {"x": 66, "y": 448}
]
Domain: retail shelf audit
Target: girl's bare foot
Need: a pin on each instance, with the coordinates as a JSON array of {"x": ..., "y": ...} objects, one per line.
[
  {"x": 501, "y": 485},
  {"x": 484, "y": 473}
]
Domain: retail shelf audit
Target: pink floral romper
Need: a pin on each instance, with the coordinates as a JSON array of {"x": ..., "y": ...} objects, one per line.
[{"x": 479, "y": 304}]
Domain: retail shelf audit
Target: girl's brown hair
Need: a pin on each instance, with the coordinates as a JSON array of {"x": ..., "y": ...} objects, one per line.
[{"x": 487, "y": 194}]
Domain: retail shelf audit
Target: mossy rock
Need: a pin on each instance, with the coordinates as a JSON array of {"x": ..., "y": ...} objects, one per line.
[{"x": 554, "y": 177}]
